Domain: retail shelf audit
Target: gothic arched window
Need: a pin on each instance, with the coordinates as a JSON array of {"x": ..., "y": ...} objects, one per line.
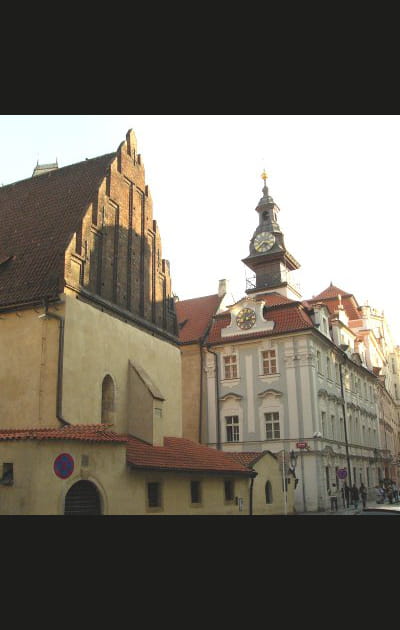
[
  {"x": 268, "y": 492},
  {"x": 107, "y": 400}
]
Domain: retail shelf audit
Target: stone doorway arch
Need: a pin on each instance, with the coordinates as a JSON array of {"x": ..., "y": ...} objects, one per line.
[{"x": 83, "y": 499}]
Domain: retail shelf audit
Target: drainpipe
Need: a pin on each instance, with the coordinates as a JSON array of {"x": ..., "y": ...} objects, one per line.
[
  {"x": 342, "y": 360},
  {"x": 47, "y": 315},
  {"x": 217, "y": 397},
  {"x": 252, "y": 477}
]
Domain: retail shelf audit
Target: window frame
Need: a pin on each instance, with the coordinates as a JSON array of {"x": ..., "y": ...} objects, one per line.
[
  {"x": 269, "y": 361},
  {"x": 273, "y": 421},
  {"x": 235, "y": 428},
  {"x": 159, "y": 505},
  {"x": 232, "y": 367}
]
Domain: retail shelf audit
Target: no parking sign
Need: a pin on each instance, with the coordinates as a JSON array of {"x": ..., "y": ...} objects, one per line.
[
  {"x": 64, "y": 465},
  {"x": 342, "y": 473}
]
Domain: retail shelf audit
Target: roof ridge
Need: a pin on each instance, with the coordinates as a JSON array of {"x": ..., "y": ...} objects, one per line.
[{"x": 55, "y": 172}]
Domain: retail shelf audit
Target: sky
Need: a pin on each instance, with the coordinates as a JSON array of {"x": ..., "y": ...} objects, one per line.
[{"x": 334, "y": 178}]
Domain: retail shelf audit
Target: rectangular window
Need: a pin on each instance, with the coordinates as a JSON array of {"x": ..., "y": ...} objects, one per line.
[
  {"x": 319, "y": 361},
  {"x": 269, "y": 361},
  {"x": 272, "y": 426},
  {"x": 232, "y": 428},
  {"x": 195, "y": 495},
  {"x": 323, "y": 423},
  {"x": 230, "y": 366},
  {"x": 229, "y": 490},
  {"x": 333, "y": 427},
  {"x": 154, "y": 494},
  {"x": 8, "y": 475},
  {"x": 328, "y": 367}
]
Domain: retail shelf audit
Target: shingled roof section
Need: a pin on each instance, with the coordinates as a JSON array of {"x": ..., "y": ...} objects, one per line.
[
  {"x": 180, "y": 454},
  {"x": 194, "y": 315},
  {"x": 287, "y": 317},
  {"x": 329, "y": 297},
  {"x": 80, "y": 432},
  {"x": 38, "y": 217}
]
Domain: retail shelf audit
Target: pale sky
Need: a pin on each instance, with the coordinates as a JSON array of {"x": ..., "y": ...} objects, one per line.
[{"x": 334, "y": 178}]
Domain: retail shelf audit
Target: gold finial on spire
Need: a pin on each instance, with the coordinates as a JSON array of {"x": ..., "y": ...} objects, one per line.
[{"x": 264, "y": 175}]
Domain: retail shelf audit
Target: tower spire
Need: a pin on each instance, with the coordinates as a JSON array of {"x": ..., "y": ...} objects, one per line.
[{"x": 266, "y": 198}]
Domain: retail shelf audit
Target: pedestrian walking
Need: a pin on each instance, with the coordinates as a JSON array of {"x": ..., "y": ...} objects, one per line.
[
  {"x": 343, "y": 496},
  {"x": 347, "y": 493},
  {"x": 333, "y": 495},
  {"x": 395, "y": 492},
  {"x": 363, "y": 494},
  {"x": 379, "y": 494},
  {"x": 389, "y": 492},
  {"x": 355, "y": 495}
]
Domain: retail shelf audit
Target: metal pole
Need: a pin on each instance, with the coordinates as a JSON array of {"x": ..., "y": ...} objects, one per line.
[{"x": 284, "y": 483}]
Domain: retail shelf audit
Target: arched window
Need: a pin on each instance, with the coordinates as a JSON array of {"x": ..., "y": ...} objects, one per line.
[
  {"x": 82, "y": 499},
  {"x": 107, "y": 400},
  {"x": 268, "y": 492}
]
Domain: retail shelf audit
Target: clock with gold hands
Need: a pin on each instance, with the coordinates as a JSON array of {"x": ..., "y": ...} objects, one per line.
[
  {"x": 264, "y": 241},
  {"x": 246, "y": 318}
]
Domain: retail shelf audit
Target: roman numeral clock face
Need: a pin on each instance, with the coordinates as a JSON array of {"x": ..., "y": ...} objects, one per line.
[
  {"x": 246, "y": 318},
  {"x": 264, "y": 241}
]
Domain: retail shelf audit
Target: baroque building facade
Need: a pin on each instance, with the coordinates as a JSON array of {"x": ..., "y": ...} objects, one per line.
[{"x": 300, "y": 378}]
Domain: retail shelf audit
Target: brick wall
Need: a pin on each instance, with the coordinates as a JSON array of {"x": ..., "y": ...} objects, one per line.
[{"x": 116, "y": 252}]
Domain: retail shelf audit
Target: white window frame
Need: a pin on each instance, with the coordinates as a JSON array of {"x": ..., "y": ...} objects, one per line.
[
  {"x": 226, "y": 367},
  {"x": 274, "y": 420},
  {"x": 268, "y": 361},
  {"x": 234, "y": 425}
]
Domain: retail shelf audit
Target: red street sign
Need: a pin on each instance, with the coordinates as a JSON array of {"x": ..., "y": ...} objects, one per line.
[
  {"x": 301, "y": 444},
  {"x": 342, "y": 473}
]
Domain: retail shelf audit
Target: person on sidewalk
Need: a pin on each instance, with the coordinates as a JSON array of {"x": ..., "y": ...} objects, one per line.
[
  {"x": 343, "y": 497},
  {"x": 395, "y": 492},
  {"x": 355, "y": 496},
  {"x": 363, "y": 495},
  {"x": 333, "y": 495},
  {"x": 378, "y": 494},
  {"x": 347, "y": 494}
]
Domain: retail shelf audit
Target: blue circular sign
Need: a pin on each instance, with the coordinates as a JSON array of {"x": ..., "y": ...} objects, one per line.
[
  {"x": 342, "y": 473},
  {"x": 63, "y": 465}
]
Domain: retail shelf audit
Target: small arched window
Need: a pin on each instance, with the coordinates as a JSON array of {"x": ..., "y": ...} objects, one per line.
[
  {"x": 107, "y": 400},
  {"x": 268, "y": 492}
]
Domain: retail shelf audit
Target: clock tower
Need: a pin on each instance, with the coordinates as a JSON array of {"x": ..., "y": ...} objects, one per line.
[{"x": 269, "y": 259}]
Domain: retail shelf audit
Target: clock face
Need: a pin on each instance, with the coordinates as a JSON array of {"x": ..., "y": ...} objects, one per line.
[
  {"x": 264, "y": 241},
  {"x": 246, "y": 318}
]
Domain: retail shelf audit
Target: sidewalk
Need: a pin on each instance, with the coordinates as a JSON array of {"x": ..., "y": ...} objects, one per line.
[{"x": 350, "y": 511}]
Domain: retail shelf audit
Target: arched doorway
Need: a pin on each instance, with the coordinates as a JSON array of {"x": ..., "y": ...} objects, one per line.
[{"x": 82, "y": 499}]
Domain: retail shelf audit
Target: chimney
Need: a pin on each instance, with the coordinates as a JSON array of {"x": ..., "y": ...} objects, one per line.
[{"x": 222, "y": 288}]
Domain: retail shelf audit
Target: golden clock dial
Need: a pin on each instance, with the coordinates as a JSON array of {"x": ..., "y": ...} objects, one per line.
[
  {"x": 246, "y": 318},
  {"x": 264, "y": 241}
]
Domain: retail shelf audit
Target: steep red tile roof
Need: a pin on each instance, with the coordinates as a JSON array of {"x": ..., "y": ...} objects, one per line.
[
  {"x": 330, "y": 298},
  {"x": 331, "y": 291},
  {"x": 38, "y": 217},
  {"x": 248, "y": 458},
  {"x": 194, "y": 316},
  {"x": 288, "y": 318},
  {"x": 80, "y": 432},
  {"x": 180, "y": 454}
]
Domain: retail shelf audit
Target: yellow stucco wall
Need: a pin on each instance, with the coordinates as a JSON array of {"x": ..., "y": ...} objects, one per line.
[
  {"x": 268, "y": 469},
  {"x": 97, "y": 344},
  {"x": 38, "y": 491},
  {"x": 28, "y": 369},
  {"x": 191, "y": 391}
]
